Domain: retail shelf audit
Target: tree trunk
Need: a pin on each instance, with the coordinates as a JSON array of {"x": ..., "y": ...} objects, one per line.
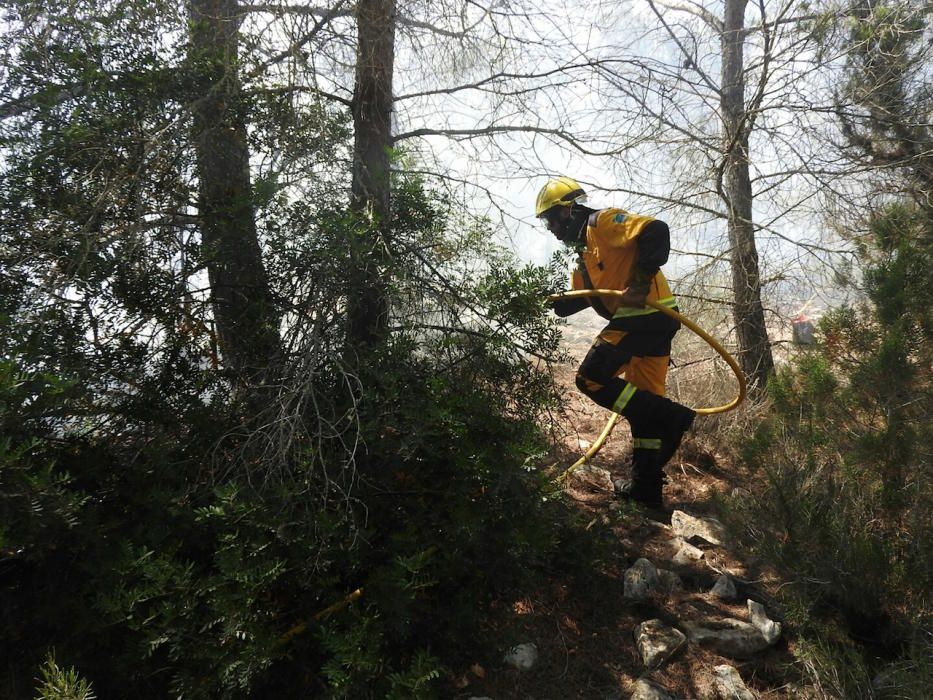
[
  {"x": 368, "y": 304},
  {"x": 247, "y": 323},
  {"x": 754, "y": 346}
]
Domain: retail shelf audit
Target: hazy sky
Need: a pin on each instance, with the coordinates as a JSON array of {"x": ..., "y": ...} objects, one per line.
[{"x": 664, "y": 169}]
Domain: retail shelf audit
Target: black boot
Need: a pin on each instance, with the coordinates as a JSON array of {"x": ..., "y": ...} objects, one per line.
[
  {"x": 658, "y": 415},
  {"x": 678, "y": 421},
  {"x": 647, "y": 483}
]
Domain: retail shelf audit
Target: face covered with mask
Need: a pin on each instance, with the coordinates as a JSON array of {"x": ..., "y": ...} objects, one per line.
[{"x": 566, "y": 223}]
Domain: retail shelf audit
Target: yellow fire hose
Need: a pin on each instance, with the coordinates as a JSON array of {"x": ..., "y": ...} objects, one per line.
[
  {"x": 335, "y": 607},
  {"x": 614, "y": 418}
]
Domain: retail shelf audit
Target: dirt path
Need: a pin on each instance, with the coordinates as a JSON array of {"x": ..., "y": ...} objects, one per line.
[{"x": 584, "y": 630}]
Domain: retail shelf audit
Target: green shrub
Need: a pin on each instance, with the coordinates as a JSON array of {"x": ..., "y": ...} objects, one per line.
[
  {"x": 844, "y": 511},
  {"x": 57, "y": 683},
  {"x": 167, "y": 542}
]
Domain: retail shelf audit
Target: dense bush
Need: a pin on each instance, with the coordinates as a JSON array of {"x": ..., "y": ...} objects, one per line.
[{"x": 162, "y": 541}]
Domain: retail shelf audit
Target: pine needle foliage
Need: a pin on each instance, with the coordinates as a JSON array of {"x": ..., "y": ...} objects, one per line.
[
  {"x": 845, "y": 510},
  {"x": 845, "y": 513}
]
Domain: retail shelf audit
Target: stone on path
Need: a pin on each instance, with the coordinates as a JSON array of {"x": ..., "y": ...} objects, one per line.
[
  {"x": 522, "y": 656},
  {"x": 646, "y": 690},
  {"x": 727, "y": 637},
  {"x": 640, "y": 579},
  {"x": 657, "y": 642},
  {"x": 687, "y": 554},
  {"x": 724, "y": 588},
  {"x": 769, "y": 629},
  {"x": 669, "y": 582},
  {"x": 730, "y": 686},
  {"x": 693, "y": 529},
  {"x": 589, "y": 476}
]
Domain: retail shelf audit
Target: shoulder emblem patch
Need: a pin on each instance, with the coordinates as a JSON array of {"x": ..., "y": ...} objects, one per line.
[{"x": 618, "y": 218}]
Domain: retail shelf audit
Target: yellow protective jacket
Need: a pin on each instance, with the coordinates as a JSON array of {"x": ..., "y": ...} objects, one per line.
[{"x": 609, "y": 259}]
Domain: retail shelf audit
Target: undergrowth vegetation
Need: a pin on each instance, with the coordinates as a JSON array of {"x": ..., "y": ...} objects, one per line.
[
  {"x": 845, "y": 478},
  {"x": 361, "y": 536}
]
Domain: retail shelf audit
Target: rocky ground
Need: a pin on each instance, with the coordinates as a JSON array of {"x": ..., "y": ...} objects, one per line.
[{"x": 677, "y": 613}]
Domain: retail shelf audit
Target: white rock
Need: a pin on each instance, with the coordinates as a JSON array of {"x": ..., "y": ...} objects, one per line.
[
  {"x": 590, "y": 476},
  {"x": 730, "y": 686},
  {"x": 769, "y": 629},
  {"x": 724, "y": 588},
  {"x": 522, "y": 656},
  {"x": 727, "y": 636},
  {"x": 646, "y": 690},
  {"x": 689, "y": 528},
  {"x": 669, "y": 582},
  {"x": 657, "y": 642},
  {"x": 687, "y": 554},
  {"x": 640, "y": 580}
]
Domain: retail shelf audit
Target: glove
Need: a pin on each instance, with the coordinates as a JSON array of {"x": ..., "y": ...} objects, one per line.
[
  {"x": 636, "y": 292},
  {"x": 566, "y": 307}
]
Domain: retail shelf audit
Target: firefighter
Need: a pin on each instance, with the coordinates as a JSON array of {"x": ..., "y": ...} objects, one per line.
[{"x": 626, "y": 367}]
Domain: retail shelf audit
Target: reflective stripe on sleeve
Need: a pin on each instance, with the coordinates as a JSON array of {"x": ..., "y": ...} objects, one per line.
[
  {"x": 628, "y": 311},
  {"x": 647, "y": 443}
]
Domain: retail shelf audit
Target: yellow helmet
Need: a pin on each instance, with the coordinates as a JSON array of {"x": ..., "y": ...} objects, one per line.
[{"x": 561, "y": 191}]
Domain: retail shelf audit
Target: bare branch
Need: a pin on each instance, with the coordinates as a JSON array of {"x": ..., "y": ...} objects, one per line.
[
  {"x": 325, "y": 19},
  {"x": 688, "y": 56},
  {"x": 696, "y": 10}
]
